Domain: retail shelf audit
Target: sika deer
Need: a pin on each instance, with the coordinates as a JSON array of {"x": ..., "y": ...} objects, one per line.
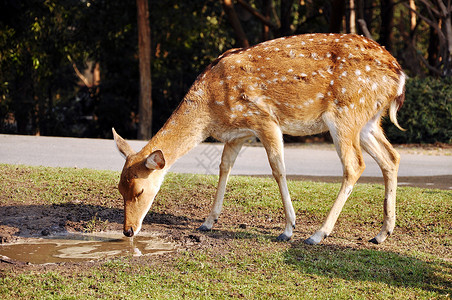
[{"x": 298, "y": 85}]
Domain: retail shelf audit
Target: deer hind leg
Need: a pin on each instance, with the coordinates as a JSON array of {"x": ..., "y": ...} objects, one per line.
[
  {"x": 375, "y": 143},
  {"x": 230, "y": 152},
  {"x": 272, "y": 139},
  {"x": 349, "y": 150}
]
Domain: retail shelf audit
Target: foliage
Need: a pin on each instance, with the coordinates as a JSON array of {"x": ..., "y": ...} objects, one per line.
[
  {"x": 426, "y": 114},
  {"x": 43, "y": 41}
]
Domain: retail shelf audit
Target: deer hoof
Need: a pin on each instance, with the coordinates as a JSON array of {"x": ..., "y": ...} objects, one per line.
[
  {"x": 283, "y": 238},
  {"x": 204, "y": 228},
  {"x": 374, "y": 241},
  {"x": 310, "y": 241}
]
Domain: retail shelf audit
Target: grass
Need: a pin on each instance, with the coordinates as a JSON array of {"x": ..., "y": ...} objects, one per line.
[{"x": 246, "y": 262}]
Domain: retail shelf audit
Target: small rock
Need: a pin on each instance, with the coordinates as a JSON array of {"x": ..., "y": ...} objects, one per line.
[
  {"x": 45, "y": 232},
  {"x": 195, "y": 238}
]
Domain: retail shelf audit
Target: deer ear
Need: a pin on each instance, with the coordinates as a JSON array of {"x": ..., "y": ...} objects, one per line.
[
  {"x": 122, "y": 145},
  {"x": 155, "y": 160}
]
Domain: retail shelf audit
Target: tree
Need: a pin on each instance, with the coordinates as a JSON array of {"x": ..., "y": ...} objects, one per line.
[
  {"x": 438, "y": 15},
  {"x": 387, "y": 24},
  {"x": 144, "y": 54}
]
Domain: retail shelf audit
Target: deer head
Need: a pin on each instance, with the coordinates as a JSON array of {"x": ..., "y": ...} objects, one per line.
[{"x": 140, "y": 181}]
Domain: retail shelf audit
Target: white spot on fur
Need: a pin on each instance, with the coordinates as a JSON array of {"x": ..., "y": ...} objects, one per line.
[
  {"x": 328, "y": 54},
  {"x": 361, "y": 100},
  {"x": 344, "y": 90},
  {"x": 320, "y": 96},
  {"x": 221, "y": 82},
  {"x": 357, "y": 72},
  {"x": 367, "y": 68},
  {"x": 199, "y": 93},
  {"x": 238, "y": 107},
  {"x": 374, "y": 86},
  {"x": 290, "y": 70},
  {"x": 303, "y": 75},
  {"x": 330, "y": 70},
  {"x": 332, "y": 82}
]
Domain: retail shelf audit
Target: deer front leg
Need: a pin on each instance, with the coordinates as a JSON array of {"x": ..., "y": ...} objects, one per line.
[
  {"x": 230, "y": 152},
  {"x": 272, "y": 140}
]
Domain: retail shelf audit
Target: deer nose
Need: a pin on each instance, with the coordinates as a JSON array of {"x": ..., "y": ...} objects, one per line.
[{"x": 129, "y": 232}]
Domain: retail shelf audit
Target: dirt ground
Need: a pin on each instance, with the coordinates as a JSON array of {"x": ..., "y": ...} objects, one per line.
[{"x": 30, "y": 220}]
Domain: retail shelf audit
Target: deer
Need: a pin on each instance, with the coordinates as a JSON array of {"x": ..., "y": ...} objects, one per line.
[{"x": 298, "y": 85}]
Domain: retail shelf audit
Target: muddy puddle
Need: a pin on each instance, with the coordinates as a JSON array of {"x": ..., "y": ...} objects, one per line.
[{"x": 83, "y": 247}]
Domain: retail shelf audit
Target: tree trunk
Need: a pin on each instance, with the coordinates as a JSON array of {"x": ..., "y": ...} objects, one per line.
[
  {"x": 286, "y": 17},
  {"x": 144, "y": 54},
  {"x": 228, "y": 7},
  {"x": 267, "y": 7},
  {"x": 387, "y": 23},
  {"x": 352, "y": 17},
  {"x": 337, "y": 13}
]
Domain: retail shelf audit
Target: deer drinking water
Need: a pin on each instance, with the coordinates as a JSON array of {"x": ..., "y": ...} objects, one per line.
[{"x": 299, "y": 85}]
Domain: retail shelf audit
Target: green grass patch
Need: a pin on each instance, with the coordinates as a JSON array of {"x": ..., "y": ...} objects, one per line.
[{"x": 414, "y": 263}]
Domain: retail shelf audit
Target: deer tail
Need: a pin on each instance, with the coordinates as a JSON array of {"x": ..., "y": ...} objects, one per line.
[{"x": 397, "y": 103}]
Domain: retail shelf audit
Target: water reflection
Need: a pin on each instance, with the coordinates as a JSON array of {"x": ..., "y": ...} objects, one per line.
[{"x": 82, "y": 247}]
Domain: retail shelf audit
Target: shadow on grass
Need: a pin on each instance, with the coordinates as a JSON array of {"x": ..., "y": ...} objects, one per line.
[
  {"x": 35, "y": 220},
  {"x": 371, "y": 265}
]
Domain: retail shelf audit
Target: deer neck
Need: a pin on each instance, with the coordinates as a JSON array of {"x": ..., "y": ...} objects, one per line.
[{"x": 184, "y": 130}]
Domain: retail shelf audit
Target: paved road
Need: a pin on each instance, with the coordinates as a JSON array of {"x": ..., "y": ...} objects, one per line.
[{"x": 311, "y": 162}]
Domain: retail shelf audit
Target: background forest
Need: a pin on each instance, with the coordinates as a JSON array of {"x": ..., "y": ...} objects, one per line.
[{"x": 71, "y": 67}]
